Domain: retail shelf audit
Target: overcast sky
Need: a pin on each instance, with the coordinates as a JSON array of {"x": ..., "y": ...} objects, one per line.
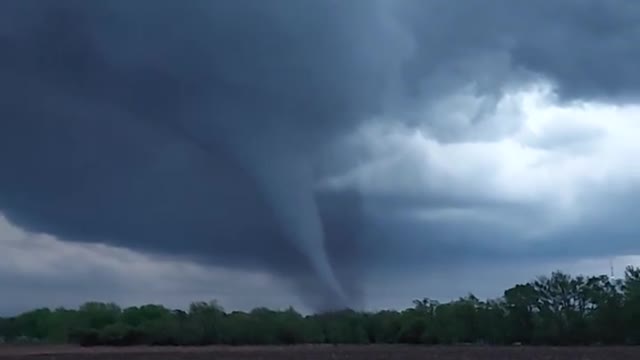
[{"x": 313, "y": 153}]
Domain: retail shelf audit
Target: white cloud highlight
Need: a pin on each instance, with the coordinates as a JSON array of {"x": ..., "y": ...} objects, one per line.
[{"x": 551, "y": 155}]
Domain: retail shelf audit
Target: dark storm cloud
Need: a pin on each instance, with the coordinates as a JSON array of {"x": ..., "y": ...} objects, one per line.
[
  {"x": 607, "y": 228},
  {"x": 185, "y": 129},
  {"x": 412, "y": 246},
  {"x": 588, "y": 47},
  {"x": 200, "y": 128}
]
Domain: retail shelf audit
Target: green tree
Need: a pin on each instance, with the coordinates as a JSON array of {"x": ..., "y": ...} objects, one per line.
[
  {"x": 96, "y": 315},
  {"x": 557, "y": 309}
]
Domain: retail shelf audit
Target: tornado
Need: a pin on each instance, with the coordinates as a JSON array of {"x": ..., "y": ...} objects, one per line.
[
  {"x": 282, "y": 171},
  {"x": 291, "y": 195},
  {"x": 285, "y": 178}
]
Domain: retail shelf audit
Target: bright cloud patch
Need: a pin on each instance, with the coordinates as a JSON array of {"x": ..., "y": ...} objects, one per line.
[{"x": 555, "y": 157}]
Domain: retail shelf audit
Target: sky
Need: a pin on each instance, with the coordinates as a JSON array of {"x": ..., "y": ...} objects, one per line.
[{"x": 319, "y": 154}]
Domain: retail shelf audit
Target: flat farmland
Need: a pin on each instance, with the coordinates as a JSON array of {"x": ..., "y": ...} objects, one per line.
[{"x": 319, "y": 352}]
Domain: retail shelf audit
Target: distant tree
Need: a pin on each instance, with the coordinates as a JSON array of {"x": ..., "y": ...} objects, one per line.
[
  {"x": 32, "y": 324},
  {"x": 96, "y": 315},
  {"x": 631, "y": 290},
  {"x": 558, "y": 309}
]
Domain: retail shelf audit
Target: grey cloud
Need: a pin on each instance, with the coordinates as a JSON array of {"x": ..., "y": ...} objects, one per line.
[
  {"x": 47, "y": 277},
  {"x": 607, "y": 227},
  {"x": 201, "y": 129},
  {"x": 406, "y": 247},
  {"x": 63, "y": 284},
  {"x": 37, "y": 271},
  {"x": 576, "y": 139},
  {"x": 588, "y": 47},
  {"x": 185, "y": 130}
]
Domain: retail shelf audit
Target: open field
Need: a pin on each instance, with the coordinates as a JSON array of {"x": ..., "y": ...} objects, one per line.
[{"x": 313, "y": 352}]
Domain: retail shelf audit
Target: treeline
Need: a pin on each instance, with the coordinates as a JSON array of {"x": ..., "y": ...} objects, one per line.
[{"x": 552, "y": 310}]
